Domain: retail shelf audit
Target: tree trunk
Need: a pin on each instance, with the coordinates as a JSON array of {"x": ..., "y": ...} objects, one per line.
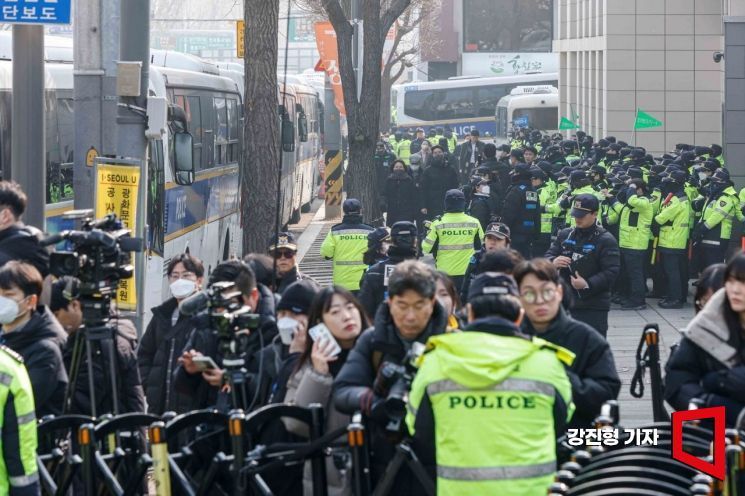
[
  {"x": 385, "y": 103},
  {"x": 260, "y": 164}
]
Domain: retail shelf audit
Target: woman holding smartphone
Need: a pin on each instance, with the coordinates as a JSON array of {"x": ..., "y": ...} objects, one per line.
[{"x": 336, "y": 320}]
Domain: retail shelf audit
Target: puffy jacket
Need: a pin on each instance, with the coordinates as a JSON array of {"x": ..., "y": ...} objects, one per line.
[
  {"x": 402, "y": 199},
  {"x": 593, "y": 373},
  {"x": 346, "y": 245},
  {"x": 709, "y": 362},
  {"x": 383, "y": 164},
  {"x": 293, "y": 275},
  {"x": 674, "y": 219},
  {"x": 40, "y": 343},
  {"x": 158, "y": 354},
  {"x": 596, "y": 257},
  {"x": 546, "y": 197},
  {"x": 491, "y": 386},
  {"x": 718, "y": 215},
  {"x": 19, "y": 242},
  {"x": 522, "y": 210},
  {"x": 436, "y": 181},
  {"x": 500, "y": 172},
  {"x": 584, "y": 190},
  {"x": 635, "y": 219},
  {"x": 480, "y": 209},
  {"x": 129, "y": 386},
  {"x": 452, "y": 240},
  {"x": 373, "y": 287}
]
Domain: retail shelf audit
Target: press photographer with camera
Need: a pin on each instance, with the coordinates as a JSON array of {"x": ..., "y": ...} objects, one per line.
[
  {"x": 336, "y": 321},
  {"x": 206, "y": 379},
  {"x": 166, "y": 336},
  {"x": 493, "y": 399},
  {"x": 66, "y": 306},
  {"x": 31, "y": 330},
  {"x": 373, "y": 369}
]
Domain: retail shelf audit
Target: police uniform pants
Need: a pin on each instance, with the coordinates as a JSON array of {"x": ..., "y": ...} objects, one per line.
[
  {"x": 633, "y": 262},
  {"x": 522, "y": 244},
  {"x": 671, "y": 265},
  {"x": 710, "y": 254},
  {"x": 597, "y": 319},
  {"x": 458, "y": 281},
  {"x": 541, "y": 245}
]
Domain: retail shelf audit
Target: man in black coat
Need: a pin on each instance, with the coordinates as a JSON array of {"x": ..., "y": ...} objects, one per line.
[
  {"x": 66, "y": 306},
  {"x": 522, "y": 211},
  {"x": 593, "y": 373},
  {"x": 374, "y": 283},
  {"x": 17, "y": 241},
  {"x": 383, "y": 165},
  {"x": 471, "y": 155},
  {"x": 31, "y": 330},
  {"x": 401, "y": 197},
  {"x": 589, "y": 261},
  {"x": 437, "y": 180},
  {"x": 412, "y": 314}
]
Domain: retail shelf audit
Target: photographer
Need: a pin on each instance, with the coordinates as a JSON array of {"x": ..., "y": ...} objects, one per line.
[
  {"x": 18, "y": 241},
  {"x": 31, "y": 330},
  {"x": 166, "y": 336},
  {"x": 487, "y": 387},
  {"x": 411, "y": 315},
  {"x": 66, "y": 306},
  {"x": 204, "y": 385}
]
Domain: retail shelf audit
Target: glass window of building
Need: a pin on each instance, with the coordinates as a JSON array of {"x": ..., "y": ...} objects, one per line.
[{"x": 507, "y": 25}]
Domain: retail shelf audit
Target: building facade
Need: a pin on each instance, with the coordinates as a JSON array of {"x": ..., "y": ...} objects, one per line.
[{"x": 617, "y": 56}]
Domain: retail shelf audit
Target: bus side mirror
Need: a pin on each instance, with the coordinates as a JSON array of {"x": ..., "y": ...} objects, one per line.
[
  {"x": 302, "y": 128},
  {"x": 288, "y": 134},
  {"x": 184, "y": 163}
]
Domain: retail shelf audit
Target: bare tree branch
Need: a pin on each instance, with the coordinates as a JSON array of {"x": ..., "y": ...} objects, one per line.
[{"x": 393, "y": 12}]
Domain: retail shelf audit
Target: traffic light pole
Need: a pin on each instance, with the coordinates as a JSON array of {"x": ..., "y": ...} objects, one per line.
[{"x": 28, "y": 141}]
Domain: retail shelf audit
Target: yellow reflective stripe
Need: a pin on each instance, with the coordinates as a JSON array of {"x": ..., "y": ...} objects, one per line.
[
  {"x": 24, "y": 480},
  {"x": 496, "y": 473},
  {"x": 710, "y": 242},
  {"x": 428, "y": 241},
  {"x": 522, "y": 385},
  {"x": 25, "y": 419},
  {"x": 725, "y": 214},
  {"x": 467, "y": 246},
  {"x": 456, "y": 225},
  {"x": 352, "y": 231}
]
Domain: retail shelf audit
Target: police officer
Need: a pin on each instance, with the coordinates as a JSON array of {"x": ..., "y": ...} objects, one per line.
[
  {"x": 18, "y": 472},
  {"x": 522, "y": 211},
  {"x": 673, "y": 220},
  {"x": 588, "y": 259},
  {"x": 634, "y": 214},
  {"x": 374, "y": 285},
  {"x": 496, "y": 237},
  {"x": 454, "y": 237},
  {"x": 714, "y": 230},
  {"x": 346, "y": 244},
  {"x": 402, "y": 147},
  {"x": 491, "y": 385},
  {"x": 383, "y": 165},
  {"x": 580, "y": 184},
  {"x": 451, "y": 137},
  {"x": 546, "y": 196}
]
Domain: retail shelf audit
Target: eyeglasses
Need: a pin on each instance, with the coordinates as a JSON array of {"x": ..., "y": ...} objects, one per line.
[
  {"x": 530, "y": 296},
  {"x": 284, "y": 254},
  {"x": 174, "y": 276}
]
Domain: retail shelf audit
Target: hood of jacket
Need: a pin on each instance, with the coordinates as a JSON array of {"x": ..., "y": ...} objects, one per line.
[
  {"x": 386, "y": 337},
  {"x": 42, "y": 325},
  {"x": 484, "y": 354},
  {"x": 351, "y": 219},
  {"x": 709, "y": 330}
]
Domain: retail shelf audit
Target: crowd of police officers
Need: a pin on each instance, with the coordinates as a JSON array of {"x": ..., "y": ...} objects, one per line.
[{"x": 579, "y": 223}]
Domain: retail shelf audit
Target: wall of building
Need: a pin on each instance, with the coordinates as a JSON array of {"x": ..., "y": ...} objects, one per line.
[{"x": 656, "y": 55}]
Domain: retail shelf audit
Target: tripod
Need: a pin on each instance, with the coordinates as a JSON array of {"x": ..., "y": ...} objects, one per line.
[{"x": 404, "y": 454}]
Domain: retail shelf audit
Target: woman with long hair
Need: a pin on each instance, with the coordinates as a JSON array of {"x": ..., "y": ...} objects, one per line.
[
  {"x": 709, "y": 363},
  {"x": 447, "y": 295},
  {"x": 340, "y": 312}
]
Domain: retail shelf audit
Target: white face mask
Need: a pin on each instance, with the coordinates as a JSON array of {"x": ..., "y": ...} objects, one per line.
[
  {"x": 181, "y": 288},
  {"x": 702, "y": 176},
  {"x": 485, "y": 190},
  {"x": 287, "y": 327},
  {"x": 414, "y": 167},
  {"x": 9, "y": 310}
]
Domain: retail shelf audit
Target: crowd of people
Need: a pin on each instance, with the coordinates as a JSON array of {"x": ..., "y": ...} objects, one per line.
[{"x": 503, "y": 341}]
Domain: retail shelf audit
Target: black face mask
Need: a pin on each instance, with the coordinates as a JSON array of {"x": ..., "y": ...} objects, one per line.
[
  {"x": 399, "y": 174},
  {"x": 653, "y": 181},
  {"x": 438, "y": 161}
]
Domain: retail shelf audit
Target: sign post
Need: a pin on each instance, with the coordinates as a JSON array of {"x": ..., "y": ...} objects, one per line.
[{"x": 240, "y": 38}]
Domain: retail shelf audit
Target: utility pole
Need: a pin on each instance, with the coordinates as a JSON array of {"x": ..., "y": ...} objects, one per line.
[
  {"x": 96, "y": 46},
  {"x": 28, "y": 157}
]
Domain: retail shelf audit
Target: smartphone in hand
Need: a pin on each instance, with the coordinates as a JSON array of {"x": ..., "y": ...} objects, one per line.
[
  {"x": 204, "y": 363},
  {"x": 320, "y": 332}
]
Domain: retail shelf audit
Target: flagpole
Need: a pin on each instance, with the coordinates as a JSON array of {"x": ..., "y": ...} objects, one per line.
[{"x": 633, "y": 129}]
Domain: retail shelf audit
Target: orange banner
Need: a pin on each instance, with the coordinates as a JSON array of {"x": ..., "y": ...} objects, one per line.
[{"x": 326, "y": 42}]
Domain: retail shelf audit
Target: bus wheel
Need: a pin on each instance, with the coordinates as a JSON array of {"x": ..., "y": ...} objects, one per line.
[
  {"x": 295, "y": 217},
  {"x": 305, "y": 208},
  {"x": 226, "y": 247}
]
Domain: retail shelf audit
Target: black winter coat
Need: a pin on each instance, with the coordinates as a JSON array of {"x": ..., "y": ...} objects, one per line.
[
  {"x": 383, "y": 164},
  {"x": 521, "y": 211},
  {"x": 402, "y": 199},
  {"x": 158, "y": 354},
  {"x": 500, "y": 183},
  {"x": 372, "y": 287},
  {"x": 481, "y": 210},
  {"x": 40, "y": 343},
  {"x": 593, "y": 373},
  {"x": 131, "y": 397},
  {"x": 436, "y": 181},
  {"x": 19, "y": 242},
  {"x": 596, "y": 257},
  {"x": 290, "y": 277}
]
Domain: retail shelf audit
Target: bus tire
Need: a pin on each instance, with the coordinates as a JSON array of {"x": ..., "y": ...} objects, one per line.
[
  {"x": 295, "y": 217},
  {"x": 305, "y": 208}
]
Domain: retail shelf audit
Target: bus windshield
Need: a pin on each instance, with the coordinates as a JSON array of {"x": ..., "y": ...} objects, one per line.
[{"x": 542, "y": 118}]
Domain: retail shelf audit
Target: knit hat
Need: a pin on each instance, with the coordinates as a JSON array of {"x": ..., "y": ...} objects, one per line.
[{"x": 298, "y": 297}]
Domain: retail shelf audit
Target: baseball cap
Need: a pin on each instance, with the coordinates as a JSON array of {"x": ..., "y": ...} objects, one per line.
[
  {"x": 584, "y": 204},
  {"x": 352, "y": 206},
  {"x": 282, "y": 240},
  {"x": 492, "y": 283},
  {"x": 377, "y": 236},
  {"x": 498, "y": 229}
]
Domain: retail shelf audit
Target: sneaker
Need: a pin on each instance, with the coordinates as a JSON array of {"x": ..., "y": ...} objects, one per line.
[
  {"x": 633, "y": 306},
  {"x": 671, "y": 304}
]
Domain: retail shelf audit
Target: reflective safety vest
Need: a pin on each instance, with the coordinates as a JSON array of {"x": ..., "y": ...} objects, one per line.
[
  {"x": 452, "y": 240},
  {"x": 582, "y": 191},
  {"x": 492, "y": 400},
  {"x": 403, "y": 150},
  {"x": 547, "y": 197},
  {"x": 452, "y": 143},
  {"x": 673, "y": 220},
  {"x": 635, "y": 218},
  {"x": 717, "y": 216},
  {"x": 346, "y": 245},
  {"x": 18, "y": 465}
]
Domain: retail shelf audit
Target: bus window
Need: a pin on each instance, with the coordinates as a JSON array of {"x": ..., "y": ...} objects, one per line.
[
  {"x": 155, "y": 177},
  {"x": 542, "y": 118},
  {"x": 233, "y": 131},
  {"x": 221, "y": 136},
  {"x": 194, "y": 123},
  {"x": 488, "y": 97}
]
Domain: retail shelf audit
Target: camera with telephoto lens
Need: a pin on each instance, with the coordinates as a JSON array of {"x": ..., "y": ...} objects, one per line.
[
  {"x": 397, "y": 379},
  {"x": 221, "y": 304}
]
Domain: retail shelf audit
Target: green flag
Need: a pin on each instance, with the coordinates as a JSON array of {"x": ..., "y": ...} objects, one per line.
[
  {"x": 567, "y": 124},
  {"x": 644, "y": 120}
]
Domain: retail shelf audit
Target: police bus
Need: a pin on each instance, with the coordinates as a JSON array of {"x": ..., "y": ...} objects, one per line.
[
  {"x": 463, "y": 103},
  {"x": 192, "y": 207},
  {"x": 536, "y": 107}
]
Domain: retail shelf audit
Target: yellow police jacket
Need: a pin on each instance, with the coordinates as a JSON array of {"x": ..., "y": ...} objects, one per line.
[
  {"x": 346, "y": 245},
  {"x": 453, "y": 239}
]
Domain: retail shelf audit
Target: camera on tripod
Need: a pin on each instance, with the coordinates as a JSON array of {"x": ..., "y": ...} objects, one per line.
[
  {"x": 397, "y": 379},
  {"x": 221, "y": 303}
]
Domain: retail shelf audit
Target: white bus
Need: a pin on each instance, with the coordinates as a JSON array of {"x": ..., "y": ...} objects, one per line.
[
  {"x": 464, "y": 103},
  {"x": 535, "y": 107}
]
